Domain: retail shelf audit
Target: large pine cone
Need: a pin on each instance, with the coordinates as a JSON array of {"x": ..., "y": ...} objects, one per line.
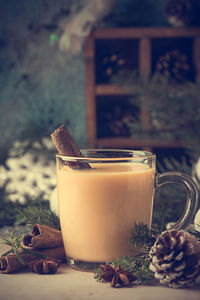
[{"x": 176, "y": 258}]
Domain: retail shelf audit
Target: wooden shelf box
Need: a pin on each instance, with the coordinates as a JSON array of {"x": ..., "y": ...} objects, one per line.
[{"x": 109, "y": 51}]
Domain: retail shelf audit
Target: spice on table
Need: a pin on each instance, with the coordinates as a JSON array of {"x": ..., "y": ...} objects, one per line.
[
  {"x": 116, "y": 275},
  {"x": 44, "y": 266}
]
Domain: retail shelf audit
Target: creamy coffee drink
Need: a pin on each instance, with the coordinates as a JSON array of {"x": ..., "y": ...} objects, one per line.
[
  {"x": 98, "y": 207},
  {"x": 102, "y": 193}
]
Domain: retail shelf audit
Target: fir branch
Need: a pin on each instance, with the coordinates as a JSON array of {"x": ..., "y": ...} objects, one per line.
[
  {"x": 38, "y": 215},
  {"x": 139, "y": 265},
  {"x": 98, "y": 275},
  {"x": 15, "y": 243},
  {"x": 142, "y": 236},
  {"x": 20, "y": 258},
  {"x": 30, "y": 215}
]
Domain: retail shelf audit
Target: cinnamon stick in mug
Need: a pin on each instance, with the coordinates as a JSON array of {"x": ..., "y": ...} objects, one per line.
[{"x": 66, "y": 146}]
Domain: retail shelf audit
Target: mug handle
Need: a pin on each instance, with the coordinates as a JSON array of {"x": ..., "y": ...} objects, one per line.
[{"x": 192, "y": 195}]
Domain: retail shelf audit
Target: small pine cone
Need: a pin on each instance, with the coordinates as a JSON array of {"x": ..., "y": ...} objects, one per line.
[
  {"x": 175, "y": 258},
  {"x": 174, "y": 65},
  {"x": 179, "y": 12}
]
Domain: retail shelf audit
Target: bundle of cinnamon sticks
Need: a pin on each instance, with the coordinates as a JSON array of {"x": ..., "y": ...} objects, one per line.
[{"x": 43, "y": 241}]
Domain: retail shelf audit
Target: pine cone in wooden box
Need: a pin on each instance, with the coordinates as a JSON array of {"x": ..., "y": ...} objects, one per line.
[
  {"x": 176, "y": 258},
  {"x": 179, "y": 12},
  {"x": 174, "y": 65}
]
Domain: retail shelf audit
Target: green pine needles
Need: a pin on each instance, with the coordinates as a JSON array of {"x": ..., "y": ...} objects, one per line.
[
  {"x": 14, "y": 242},
  {"x": 30, "y": 215},
  {"x": 143, "y": 237},
  {"x": 38, "y": 215}
]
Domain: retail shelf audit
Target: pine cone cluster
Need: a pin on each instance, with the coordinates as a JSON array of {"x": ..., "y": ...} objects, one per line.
[
  {"x": 113, "y": 64},
  {"x": 174, "y": 65},
  {"x": 175, "y": 258}
]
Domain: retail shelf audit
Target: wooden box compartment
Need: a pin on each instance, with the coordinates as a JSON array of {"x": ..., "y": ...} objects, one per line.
[
  {"x": 111, "y": 51},
  {"x": 177, "y": 53},
  {"x": 113, "y": 115},
  {"x": 115, "y": 56}
]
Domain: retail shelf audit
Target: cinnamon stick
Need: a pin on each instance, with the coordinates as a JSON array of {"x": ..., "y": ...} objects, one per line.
[
  {"x": 11, "y": 264},
  {"x": 66, "y": 146},
  {"x": 43, "y": 236}
]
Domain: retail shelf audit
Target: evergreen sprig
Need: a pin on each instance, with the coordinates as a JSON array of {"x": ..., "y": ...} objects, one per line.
[
  {"x": 38, "y": 215},
  {"x": 139, "y": 265},
  {"x": 142, "y": 236},
  {"x": 30, "y": 215},
  {"x": 98, "y": 275},
  {"x": 15, "y": 243}
]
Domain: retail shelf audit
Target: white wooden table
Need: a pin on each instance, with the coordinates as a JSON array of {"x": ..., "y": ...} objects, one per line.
[{"x": 68, "y": 284}]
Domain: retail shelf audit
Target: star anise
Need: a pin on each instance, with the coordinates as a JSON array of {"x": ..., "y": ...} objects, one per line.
[
  {"x": 117, "y": 275},
  {"x": 44, "y": 266}
]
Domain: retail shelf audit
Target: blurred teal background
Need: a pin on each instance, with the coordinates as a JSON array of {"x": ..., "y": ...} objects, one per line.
[{"x": 42, "y": 87}]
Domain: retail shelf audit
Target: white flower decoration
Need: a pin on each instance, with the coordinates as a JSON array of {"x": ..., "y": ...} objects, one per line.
[{"x": 29, "y": 174}]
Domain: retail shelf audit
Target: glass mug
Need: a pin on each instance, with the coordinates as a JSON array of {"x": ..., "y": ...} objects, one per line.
[{"x": 99, "y": 205}]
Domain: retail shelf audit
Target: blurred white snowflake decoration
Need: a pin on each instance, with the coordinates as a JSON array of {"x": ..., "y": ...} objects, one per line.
[{"x": 29, "y": 173}]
